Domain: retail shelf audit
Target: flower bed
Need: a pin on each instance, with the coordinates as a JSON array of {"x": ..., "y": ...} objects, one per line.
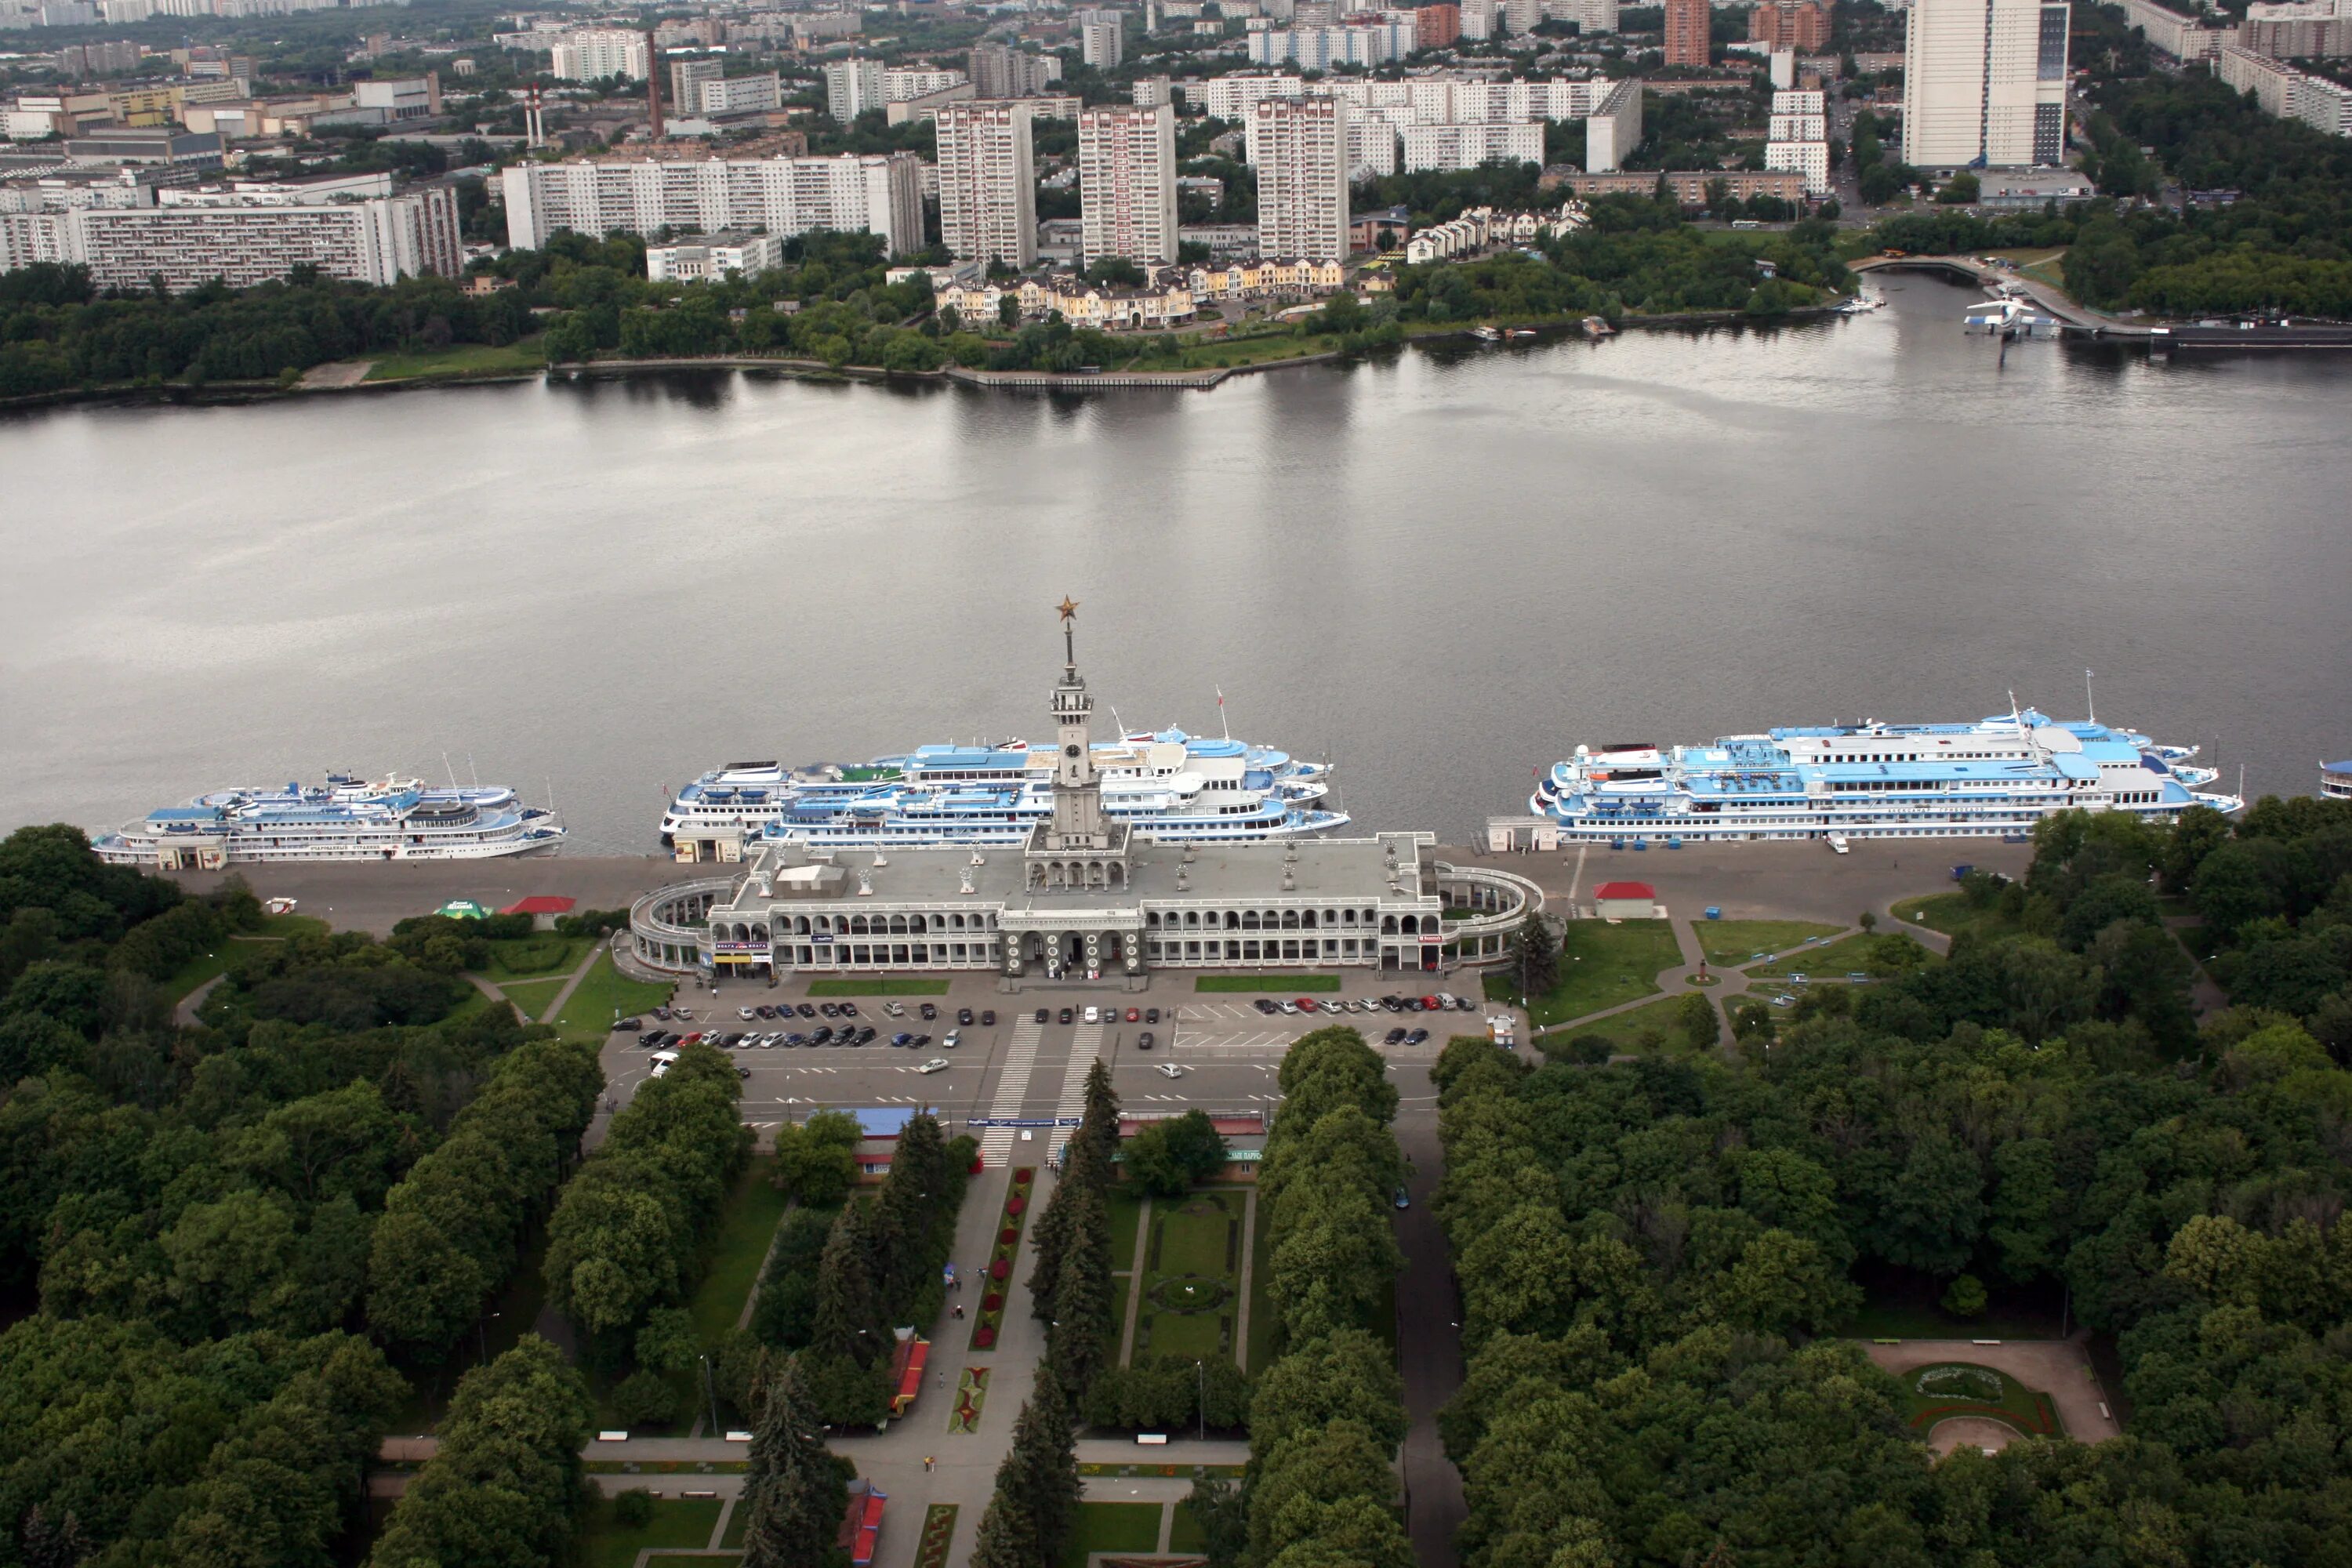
[
  {"x": 990, "y": 1321},
  {"x": 939, "y": 1534},
  {"x": 972, "y": 1393}
]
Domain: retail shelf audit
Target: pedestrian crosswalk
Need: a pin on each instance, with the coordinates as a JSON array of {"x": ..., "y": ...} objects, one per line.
[
  {"x": 1012, "y": 1089},
  {"x": 1086, "y": 1047}
]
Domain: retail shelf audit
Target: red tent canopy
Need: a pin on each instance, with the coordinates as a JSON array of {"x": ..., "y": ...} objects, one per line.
[
  {"x": 862, "y": 1525},
  {"x": 907, "y": 1364},
  {"x": 1626, "y": 891},
  {"x": 540, "y": 904}
]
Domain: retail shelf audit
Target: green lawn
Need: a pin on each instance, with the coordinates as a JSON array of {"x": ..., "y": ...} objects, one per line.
[
  {"x": 1260, "y": 1349},
  {"x": 1731, "y": 943},
  {"x": 604, "y": 989},
  {"x": 1126, "y": 1217},
  {"x": 1289, "y": 982},
  {"x": 533, "y": 996},
  {"x": 877, "y": 988},
  {"x": 1200, "y": 1246},
  {"x": 274, "y": 928},
  {"x": 1854, "y": 956},
  {"x": 1112, "y": 1527},
  {"x": 1950, "y": 913},
  {"x": 746, "y": 1226},
  {"x": 1624, "y": 1030},
  {"x": 530, "y": 957},
  {"x": 461, "y": 360},
  {"x": 1882, "y": 1318},
  {"x": 1185, "y": 1533},
  {"x": 1601, "y": 965},
  {"x": 677, "y": 1522}
]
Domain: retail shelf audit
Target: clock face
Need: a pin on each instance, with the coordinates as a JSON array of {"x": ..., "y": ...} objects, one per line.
[{"x": 1070, "y": 750}]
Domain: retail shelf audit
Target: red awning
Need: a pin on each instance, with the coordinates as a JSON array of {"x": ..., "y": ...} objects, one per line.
[
  {"x": 861, "y": 1526},
  {"x": 906, "y": 1362},
  {"x": 540, "y": 904},
  {"x": 1614, "y": 890}
]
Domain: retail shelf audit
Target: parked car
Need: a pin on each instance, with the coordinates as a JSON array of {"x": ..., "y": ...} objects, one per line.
[
  {"x": 1400, "y": 1200},
  {"x": 630, "y": 1026},
  {"x": 1287, "y": 1009},
  {"x": 920, "y": 1041},
  {"x": 1306, "y": 1005},
  {"x": 1394, "y": 1037},
  {"x": 1093, "y": 1014},
  {"x": 902, "y": 1038},
  {"x": 1416, "y": 1036},
  {"x": 894, "y": 1009},
  {"x": 937, "y": 1064},
  {"x": 1135, "y": 1015},
  {"x": 1041, "y": 1014},
  {"x": 1064, "y": 1015},
  {"x": 1152, "y": 1015},
  {"x": 849, "y": 1009},
  {"x": 663, "y": 1014},
  {"x": 764, "y": 1011},
  {"x": 928, "y": 1012},
  {"x": 955, "y": 1039},
  {"x": 806, "y": 1010},
  {"x": 743, "y": 1072},
  {"x": 988, "y": 1018},
  {"x": 824, "y": 1035},
  {"x": 963, "y": 1016},
  {"x": 1266, "y": 1005},
  {"x": 1144, "y": 1041}
]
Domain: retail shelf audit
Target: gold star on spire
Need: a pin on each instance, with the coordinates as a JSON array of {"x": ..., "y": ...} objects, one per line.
[{"x": 1068, "y": 606}]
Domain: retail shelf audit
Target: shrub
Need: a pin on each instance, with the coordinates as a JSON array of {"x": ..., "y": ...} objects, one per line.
[
  {"x": 645, "y": 1399},
  {"x": 634, "y": 1509},
  {"x": 1966, "y": 1299}
]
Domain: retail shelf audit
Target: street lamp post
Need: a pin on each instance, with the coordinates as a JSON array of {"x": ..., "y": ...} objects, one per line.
[{"x": 1200, "y": 1401}]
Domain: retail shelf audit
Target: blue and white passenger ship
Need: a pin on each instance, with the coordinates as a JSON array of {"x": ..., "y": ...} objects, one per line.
[
  {"x": 1165, "y": 784},
  {"x": 1996, "y": 777},
  {"x": 345, "y": 818}
]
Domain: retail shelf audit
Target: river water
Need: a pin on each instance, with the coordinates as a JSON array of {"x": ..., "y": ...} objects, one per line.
[{"x": 1443, "y": 570}]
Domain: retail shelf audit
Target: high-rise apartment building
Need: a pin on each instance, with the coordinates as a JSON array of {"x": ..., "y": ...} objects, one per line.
[
  {"x": 736, "y": 95},
  {"x": 1127, "y": 182},
  {"x": 998, "y": 71},
  {"x": 988, "y": 182},
  {"x": 1984, "y": 83},
  {"x": 245, "y": 243},
  {"x": 593, "y": 54},
  {"x": 686, "y": 80},
  {"x": 1435, "y": 26},
  {"x": 1302, "y": 178},
  {"x": 1799, "y": 25},
  {"x": 852, "y": 87},
  {"x": 882, "y": 194},
  {"x": 1100, "y": 43},
  {"x": 1686, "y": 36}
]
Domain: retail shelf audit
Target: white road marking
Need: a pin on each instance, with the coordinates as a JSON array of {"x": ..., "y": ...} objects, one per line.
[
  {"x": 1086, "y": 1047},
  {"x": 1012, "y": 1088}
]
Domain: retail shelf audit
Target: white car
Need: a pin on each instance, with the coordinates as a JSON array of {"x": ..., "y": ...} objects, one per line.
[
  {"x": 1168, "y": 1069},
  {"x": 1092, "y": 1016},
  {"x": 1837, "y": 842},
  {"x": 894, "y": 1009},
  {"x": 745, "y": 1014},
  {"x": 937, "y": 1064},
  {"x": 663, "y": 1062},
  {"x": 955, "y": 1039}
]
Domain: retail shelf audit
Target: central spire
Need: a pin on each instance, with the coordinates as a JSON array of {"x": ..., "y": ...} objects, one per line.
[{"x": 1069, "y": 608}]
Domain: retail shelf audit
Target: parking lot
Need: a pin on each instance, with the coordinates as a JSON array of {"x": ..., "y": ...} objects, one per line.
[{"x": 1225, "y": 1049}]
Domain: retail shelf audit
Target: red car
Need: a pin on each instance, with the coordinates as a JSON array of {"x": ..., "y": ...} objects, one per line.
[
  {"x": 1429, "y": 1004},
  {"x": 1135, "y": 1015},
  {"x": 1306, "y": 1005}
]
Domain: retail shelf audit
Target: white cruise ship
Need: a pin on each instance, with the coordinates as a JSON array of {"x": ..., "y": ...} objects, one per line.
[
  {"x": 1996, "y": 778},
  {"x": 1165, "y": 784},
  {"x": 345, "y": 818}
]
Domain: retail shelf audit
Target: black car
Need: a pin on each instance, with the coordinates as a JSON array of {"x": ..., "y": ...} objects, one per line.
[
  {"x": 1066, "y": 1014},
  {"x": 1416, "y": 1036},
  {"x": 1394, "y": 1003},
  {"x": 630, "y": 1026},
  {"x": 849, "y": 1009},
  {"x": 807, "y": 1011},
  {"x": 988, "y": 1018},
  {"x": 824, "y": 1035},
  {"x": 865, "y": 1036},
  {"x": 743, "y": 1072},
  {"x": 1394, "y": 1037},
  {"x": 662, "y": 1012},
  {"x": 1152, "y": 1015},
  {"x": 928, "y": 1012},
  {"x": 1144, "y": 1041},
  {"x": 963, "y": 1016},
  {"x": 918, "y": 1042},
  {"x": 1041, "y": 1014},
  {"x": 764, "y": 1011},
  {"x": 1265, "y": 1006}
]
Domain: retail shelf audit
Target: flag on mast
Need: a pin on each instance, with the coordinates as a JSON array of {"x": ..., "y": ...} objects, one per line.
[{"x": 1222, "y": 727}]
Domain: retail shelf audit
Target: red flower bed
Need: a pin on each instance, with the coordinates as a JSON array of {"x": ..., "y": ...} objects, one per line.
[
  {"x": 984, "y": 1337},
  {"x": 1023, "y": 1175},
  {"x": 992, "y": 1302},
  {"x": 990, "y": 1317},
  {"x": 1001, "y": 1269},
  {"x": 1007, "y": 1236},
  {"x": 1015, "y": 1206}
]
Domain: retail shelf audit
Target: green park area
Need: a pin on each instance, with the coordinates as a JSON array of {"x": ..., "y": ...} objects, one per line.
[
  {"x": 460, "y": 361},
  {"x": 1876, "y": 957},
  {"x": 1602, "y": 964},
  {"x": 1660, "y": 1026},
  {"x": 539, "y": 955},
  {"x": 274, "y": 928},
  {"x": 878, "y": 988},
  {"x": 1731, "y": 944},
  {"x": 1951, "y": 913},
  {"x": 1270, "y": 984},
  {"x": 683, "y": 1523},
  {"x": 1113, "y": 1527},
  {"x": 1950, "y": 1389},
  {"x": 602, "y": 992},
  {"x": 1190, "y": 1275},
  {"x": 533, "y": 998}
]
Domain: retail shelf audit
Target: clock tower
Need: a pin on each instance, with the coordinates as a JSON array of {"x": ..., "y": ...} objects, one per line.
[{"x": 1080, "y": 846}]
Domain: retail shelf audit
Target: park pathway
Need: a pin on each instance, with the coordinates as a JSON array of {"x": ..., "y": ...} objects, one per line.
[
  {"x": 1133, "y": 1275},
  {"x": 555, "y": 1008}
]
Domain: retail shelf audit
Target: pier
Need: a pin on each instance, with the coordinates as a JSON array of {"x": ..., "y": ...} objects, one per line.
[{"x": 2072, "y": 318}]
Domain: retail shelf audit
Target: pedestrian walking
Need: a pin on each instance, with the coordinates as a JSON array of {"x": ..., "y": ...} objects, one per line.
[{"x": 926, "y": 1462}]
